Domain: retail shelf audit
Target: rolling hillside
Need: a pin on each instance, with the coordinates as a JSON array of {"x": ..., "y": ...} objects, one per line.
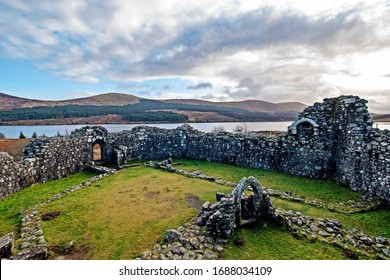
[
  {"x": 9, "y": 102},
  {"x": 125, "y": 108}
]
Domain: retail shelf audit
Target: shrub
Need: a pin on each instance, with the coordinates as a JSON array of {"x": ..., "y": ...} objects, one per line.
[{"x": 217, "y": 129}]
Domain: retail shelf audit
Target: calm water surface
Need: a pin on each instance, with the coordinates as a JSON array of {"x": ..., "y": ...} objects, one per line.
[{"x": 51, "y": 130}]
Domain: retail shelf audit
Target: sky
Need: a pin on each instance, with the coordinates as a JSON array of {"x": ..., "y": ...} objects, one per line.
[{"x": 217, "y": 50}]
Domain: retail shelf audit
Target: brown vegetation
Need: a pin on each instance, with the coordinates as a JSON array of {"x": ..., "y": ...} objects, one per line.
[{"x": 14, "y": 147}]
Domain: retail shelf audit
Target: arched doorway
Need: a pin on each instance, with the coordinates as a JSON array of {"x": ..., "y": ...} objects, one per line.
[
  {"x": 247, "y": 209},
  {"x": 98, "y": 150}
]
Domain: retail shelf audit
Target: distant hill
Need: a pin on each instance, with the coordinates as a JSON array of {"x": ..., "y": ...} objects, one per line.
[
  {"x": 124, "y": 108},
  {"x": 382, "y": 118},
  {"x": 249, "y": 105},
  {"x": 9, "y": 102}
]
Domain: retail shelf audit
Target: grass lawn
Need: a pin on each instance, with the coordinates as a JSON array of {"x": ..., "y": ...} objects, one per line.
[
  {"x": 273, "y": 243},
  {"x": 125, "y": 214},
  {"x": 307, "y": 187},
  {"x": 11, "y": 205}
]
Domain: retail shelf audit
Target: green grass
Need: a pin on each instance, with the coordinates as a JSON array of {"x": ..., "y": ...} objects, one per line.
[
  {"x": 11, "y": 205},
  {"x": 307, "y": 187},
  {"x": 273, "y": 243},
  {"x": 123, "y": 215},
  {"x": 375, "y": 223}
]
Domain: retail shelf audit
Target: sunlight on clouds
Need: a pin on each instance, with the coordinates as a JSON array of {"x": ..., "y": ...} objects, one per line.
[
  {"x": 372, "y": 64},
  {"x": 273, "y": 50},
  {"x": 363, "y": 82}
]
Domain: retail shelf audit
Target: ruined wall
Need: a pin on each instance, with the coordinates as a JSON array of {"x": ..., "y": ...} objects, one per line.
[
  {"x": 44, "y": 160},
  {"x": 330, "y": 140},
  {"x": 365, "y": 163},
  {"x": 14, "y": 176}
]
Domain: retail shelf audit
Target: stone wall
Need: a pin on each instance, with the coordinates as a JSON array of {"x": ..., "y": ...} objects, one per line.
[
  {"x": 45, "y": 159},
  {"x": 330, "y": 140}
]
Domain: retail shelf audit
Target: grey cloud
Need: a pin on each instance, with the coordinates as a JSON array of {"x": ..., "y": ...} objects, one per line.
[
  {"x": 114, "y": 54},
  {"x": 257, "y": 29},
  {"x": 200, "y": 86},
  {"x": 82, "y": 41}
]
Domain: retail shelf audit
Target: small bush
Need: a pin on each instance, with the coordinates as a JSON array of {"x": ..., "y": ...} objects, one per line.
[{"x": 217, "y": 129}]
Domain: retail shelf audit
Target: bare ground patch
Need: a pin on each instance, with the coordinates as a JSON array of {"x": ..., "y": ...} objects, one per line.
[{"x": 194, "y": 202}]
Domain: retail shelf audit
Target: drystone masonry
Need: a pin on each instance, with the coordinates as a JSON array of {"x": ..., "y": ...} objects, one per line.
[{"x": 332, "y": 140}]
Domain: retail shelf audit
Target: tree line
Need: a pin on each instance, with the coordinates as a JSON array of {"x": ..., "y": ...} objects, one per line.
[{"x": 134, "y": 112}]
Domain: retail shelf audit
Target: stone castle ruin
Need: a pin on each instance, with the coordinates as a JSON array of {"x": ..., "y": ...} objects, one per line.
[{"x": 333, "y": 140}]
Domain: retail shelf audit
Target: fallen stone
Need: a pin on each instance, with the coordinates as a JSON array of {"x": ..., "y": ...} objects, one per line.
[
  {"x": 218, "y": 248},
  {"x": 172, "y": 235},
  {"x": 194, "y": 242},
  {"x": 386, "y": 252},
  {"x": 6, "y": 245},
  {"x": 323, "y": 233},
  {"x": 366, "y": 240},
  {"x": 330, "y": 230},
  {"x": 24, "y": 245},
  {"x": 314, "y": 228},
  {"x": 210, "y": 255},
  {"x": 206, "y": 205},
  {"x": 176, "y": 248},
  {"x": 201, "y": 221},
  {"x": 183, "y": 240},
  {"x": 157, "y": 248}
]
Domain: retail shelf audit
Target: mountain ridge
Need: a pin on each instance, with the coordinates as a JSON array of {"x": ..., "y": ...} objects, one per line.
[
  {"x": 125, "y": 108},
  {"x": 10, "y": 102}
]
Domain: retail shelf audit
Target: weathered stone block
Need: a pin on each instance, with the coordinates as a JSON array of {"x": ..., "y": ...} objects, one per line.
[
  {"x": 172, "y": 235},
  {"x": 6, "y": 245}
]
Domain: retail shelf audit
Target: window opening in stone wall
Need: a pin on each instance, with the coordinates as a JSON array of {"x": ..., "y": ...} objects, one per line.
[
  {"x": 305, "y": 129},
  {"x": 97, "y": 152}
]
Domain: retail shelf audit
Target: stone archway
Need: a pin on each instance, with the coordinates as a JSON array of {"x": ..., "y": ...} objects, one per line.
[
  {"x": 304, "y": 127},
  {"x": 98, "y": 148},
  {"x": 247, "y": 209}
]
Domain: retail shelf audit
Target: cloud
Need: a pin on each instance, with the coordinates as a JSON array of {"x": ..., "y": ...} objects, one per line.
[
  {"x": 244, "y": 49},
  {"x": 201, "y": 86},
  {"x": 327, "y": 91}
]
